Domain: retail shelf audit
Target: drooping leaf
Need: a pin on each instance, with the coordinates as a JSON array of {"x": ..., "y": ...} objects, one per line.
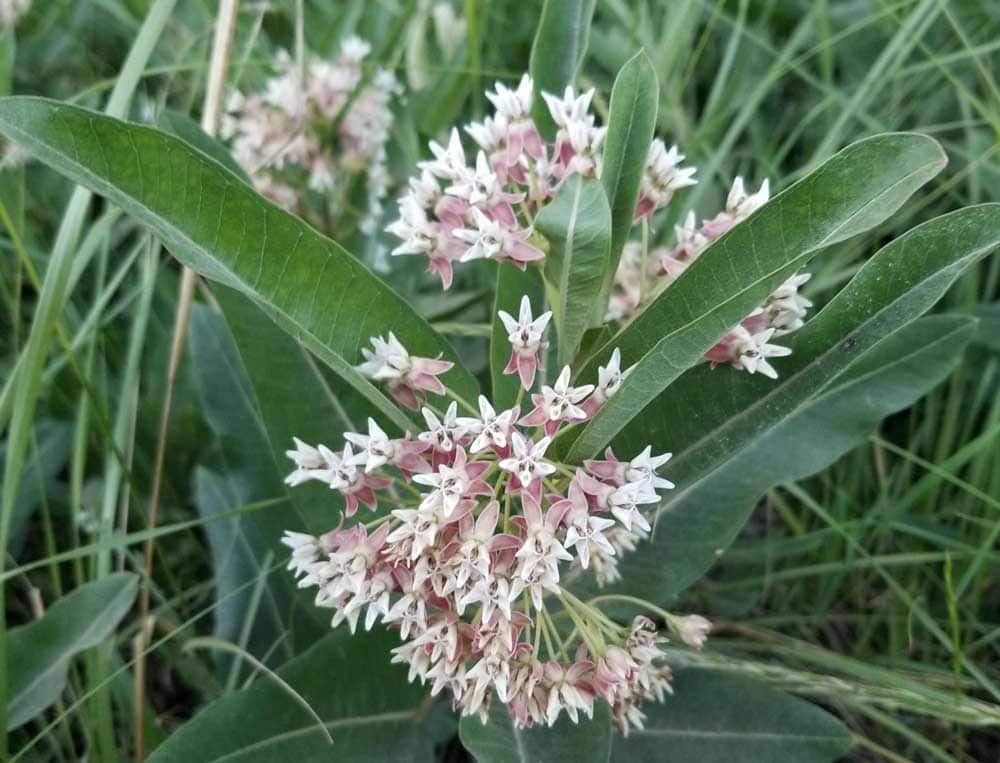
[
  {"x": 242, "y": 471},
  {"x": 631, "y": 123},
  {"x": 512, "y": 284},
  {"x": 725, "y": 427},
  {"x": 38, "y": 654},
  {"x": 577, "y": 224},
  {"x": 365, "y": 702},
  {"x": 693, "y": 530},
  {"x": 497, "y": 741},
  {"x": 215, "y": 224},
  {"x": 237, "y": 555},
  {"x": 716, "y": 718},
  {"x": 557, "y": 53},
  {"x": 853, "y": 191}
]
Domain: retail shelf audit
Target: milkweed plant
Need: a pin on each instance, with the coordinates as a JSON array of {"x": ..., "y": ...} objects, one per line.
[
  {"x": 525, "y": 529},
  {"x": 493, "y": 527}
]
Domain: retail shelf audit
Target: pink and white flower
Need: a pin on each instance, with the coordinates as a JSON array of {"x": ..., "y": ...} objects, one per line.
[
  {"x": 558, "y": 404},
  {"x": 526, "y": 340}
]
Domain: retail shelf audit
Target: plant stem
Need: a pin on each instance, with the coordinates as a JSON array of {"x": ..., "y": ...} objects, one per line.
[{"x": 225, "y": 28}]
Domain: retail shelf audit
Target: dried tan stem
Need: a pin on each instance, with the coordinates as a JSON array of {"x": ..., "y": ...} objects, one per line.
[{"x": 222, "y": 43}]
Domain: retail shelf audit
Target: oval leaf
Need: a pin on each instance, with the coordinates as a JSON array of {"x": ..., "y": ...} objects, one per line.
[
  {"x": 497, "y": 741},
  {"x": 222, "y": 229},
  {"x": 720, "y": 464},
  {"x": 715, "y": 718},
  {"x": 693, "y": 530},
  {"x": 856, "y": 189},
  {"x": 365, "y": 702},
  {"x": 38, "y": 654},
  {"x": 578, "y": 226},
  {"x": 631, "y": 123}
]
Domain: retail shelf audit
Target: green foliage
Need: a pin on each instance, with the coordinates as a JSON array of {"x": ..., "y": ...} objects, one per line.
[
  {"x": 365, "y": 703},
  {"x": 557, "y": 53},
  {"x": 856, "y": 190},
  {"x": 631, "y": 123},
  {"x": 39, "y": 653},
  {"x": 724, "y": 458},
  {"x": 577, "y": 224},
  {"x": 220, "y": 228},
  {"x": 718, "y": 718},
  {"x": 497, "y": 741}
]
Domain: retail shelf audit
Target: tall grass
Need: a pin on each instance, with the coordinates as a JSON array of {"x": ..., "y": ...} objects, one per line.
[{"x": 870, "y": 588}]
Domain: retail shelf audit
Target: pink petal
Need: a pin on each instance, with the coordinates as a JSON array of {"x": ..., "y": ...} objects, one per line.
[{"x": 526, "y": 367}]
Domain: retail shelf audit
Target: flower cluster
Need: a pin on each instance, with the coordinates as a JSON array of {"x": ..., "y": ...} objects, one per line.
[
  {"x": 313, "y": 128},
  {"x": 747, "y": 345},
  {"x": 484, "y": 530},
  {"x": 454, "y": 211}
]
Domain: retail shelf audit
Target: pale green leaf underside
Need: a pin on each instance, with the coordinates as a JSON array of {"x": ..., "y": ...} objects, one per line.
[
  {"x": 716, "y": 718},
  {"x": 39, "y": 653},
  {"x": 498, "y": 741},
  {"x": 577, "y": 224}
]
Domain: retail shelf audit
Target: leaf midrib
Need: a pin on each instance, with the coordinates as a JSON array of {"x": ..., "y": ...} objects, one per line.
[
  {"x": 829, "y": 388},
  {"x": 367, "y": 389},
  {"x": 336, "y": 723},
  {"x": 574, "y": 449}
]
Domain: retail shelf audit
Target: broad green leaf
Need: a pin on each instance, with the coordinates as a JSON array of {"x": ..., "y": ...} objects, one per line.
[
  {"x": 39, "y": 653},
  {"x": 557, "y": 53},
  {"x": 852, "y": 192},
  {"x": 215, "y": 224},
  {"x": 237, "y": 553},
  {"x": 242, "y": 470},
  {"x": 716, "y": 718},
  {"x": 512, "y": 284},
  {"x": 723, "y": 425},
  {"x": 497, "y": 741},
  {"x": 631, "y": 123},
  {"x": 578, "y": 226},
  {"x": 365, "y": 702},
  {"x": 695, "y": 527},
  {"x": 185, "y": 128}
]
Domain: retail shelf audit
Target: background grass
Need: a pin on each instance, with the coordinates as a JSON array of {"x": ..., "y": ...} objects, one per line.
[{"x": 879, "y": 575}]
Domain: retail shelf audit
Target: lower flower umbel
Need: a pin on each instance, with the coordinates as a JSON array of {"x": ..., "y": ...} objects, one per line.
[{"x": 486, "y": 529}]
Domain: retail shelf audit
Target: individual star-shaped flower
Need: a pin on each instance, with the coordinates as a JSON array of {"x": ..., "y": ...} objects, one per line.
[
  {"x": 527, "y": 459},
  {"x": 525, "y": 336},
  {"x": 557, "y": 404},
  {"x": 494, "y": 239},
  {"x": 609, "y": 381},
  {"x": 490, "y": 429},
  {"x": 453, "y": 483}
]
